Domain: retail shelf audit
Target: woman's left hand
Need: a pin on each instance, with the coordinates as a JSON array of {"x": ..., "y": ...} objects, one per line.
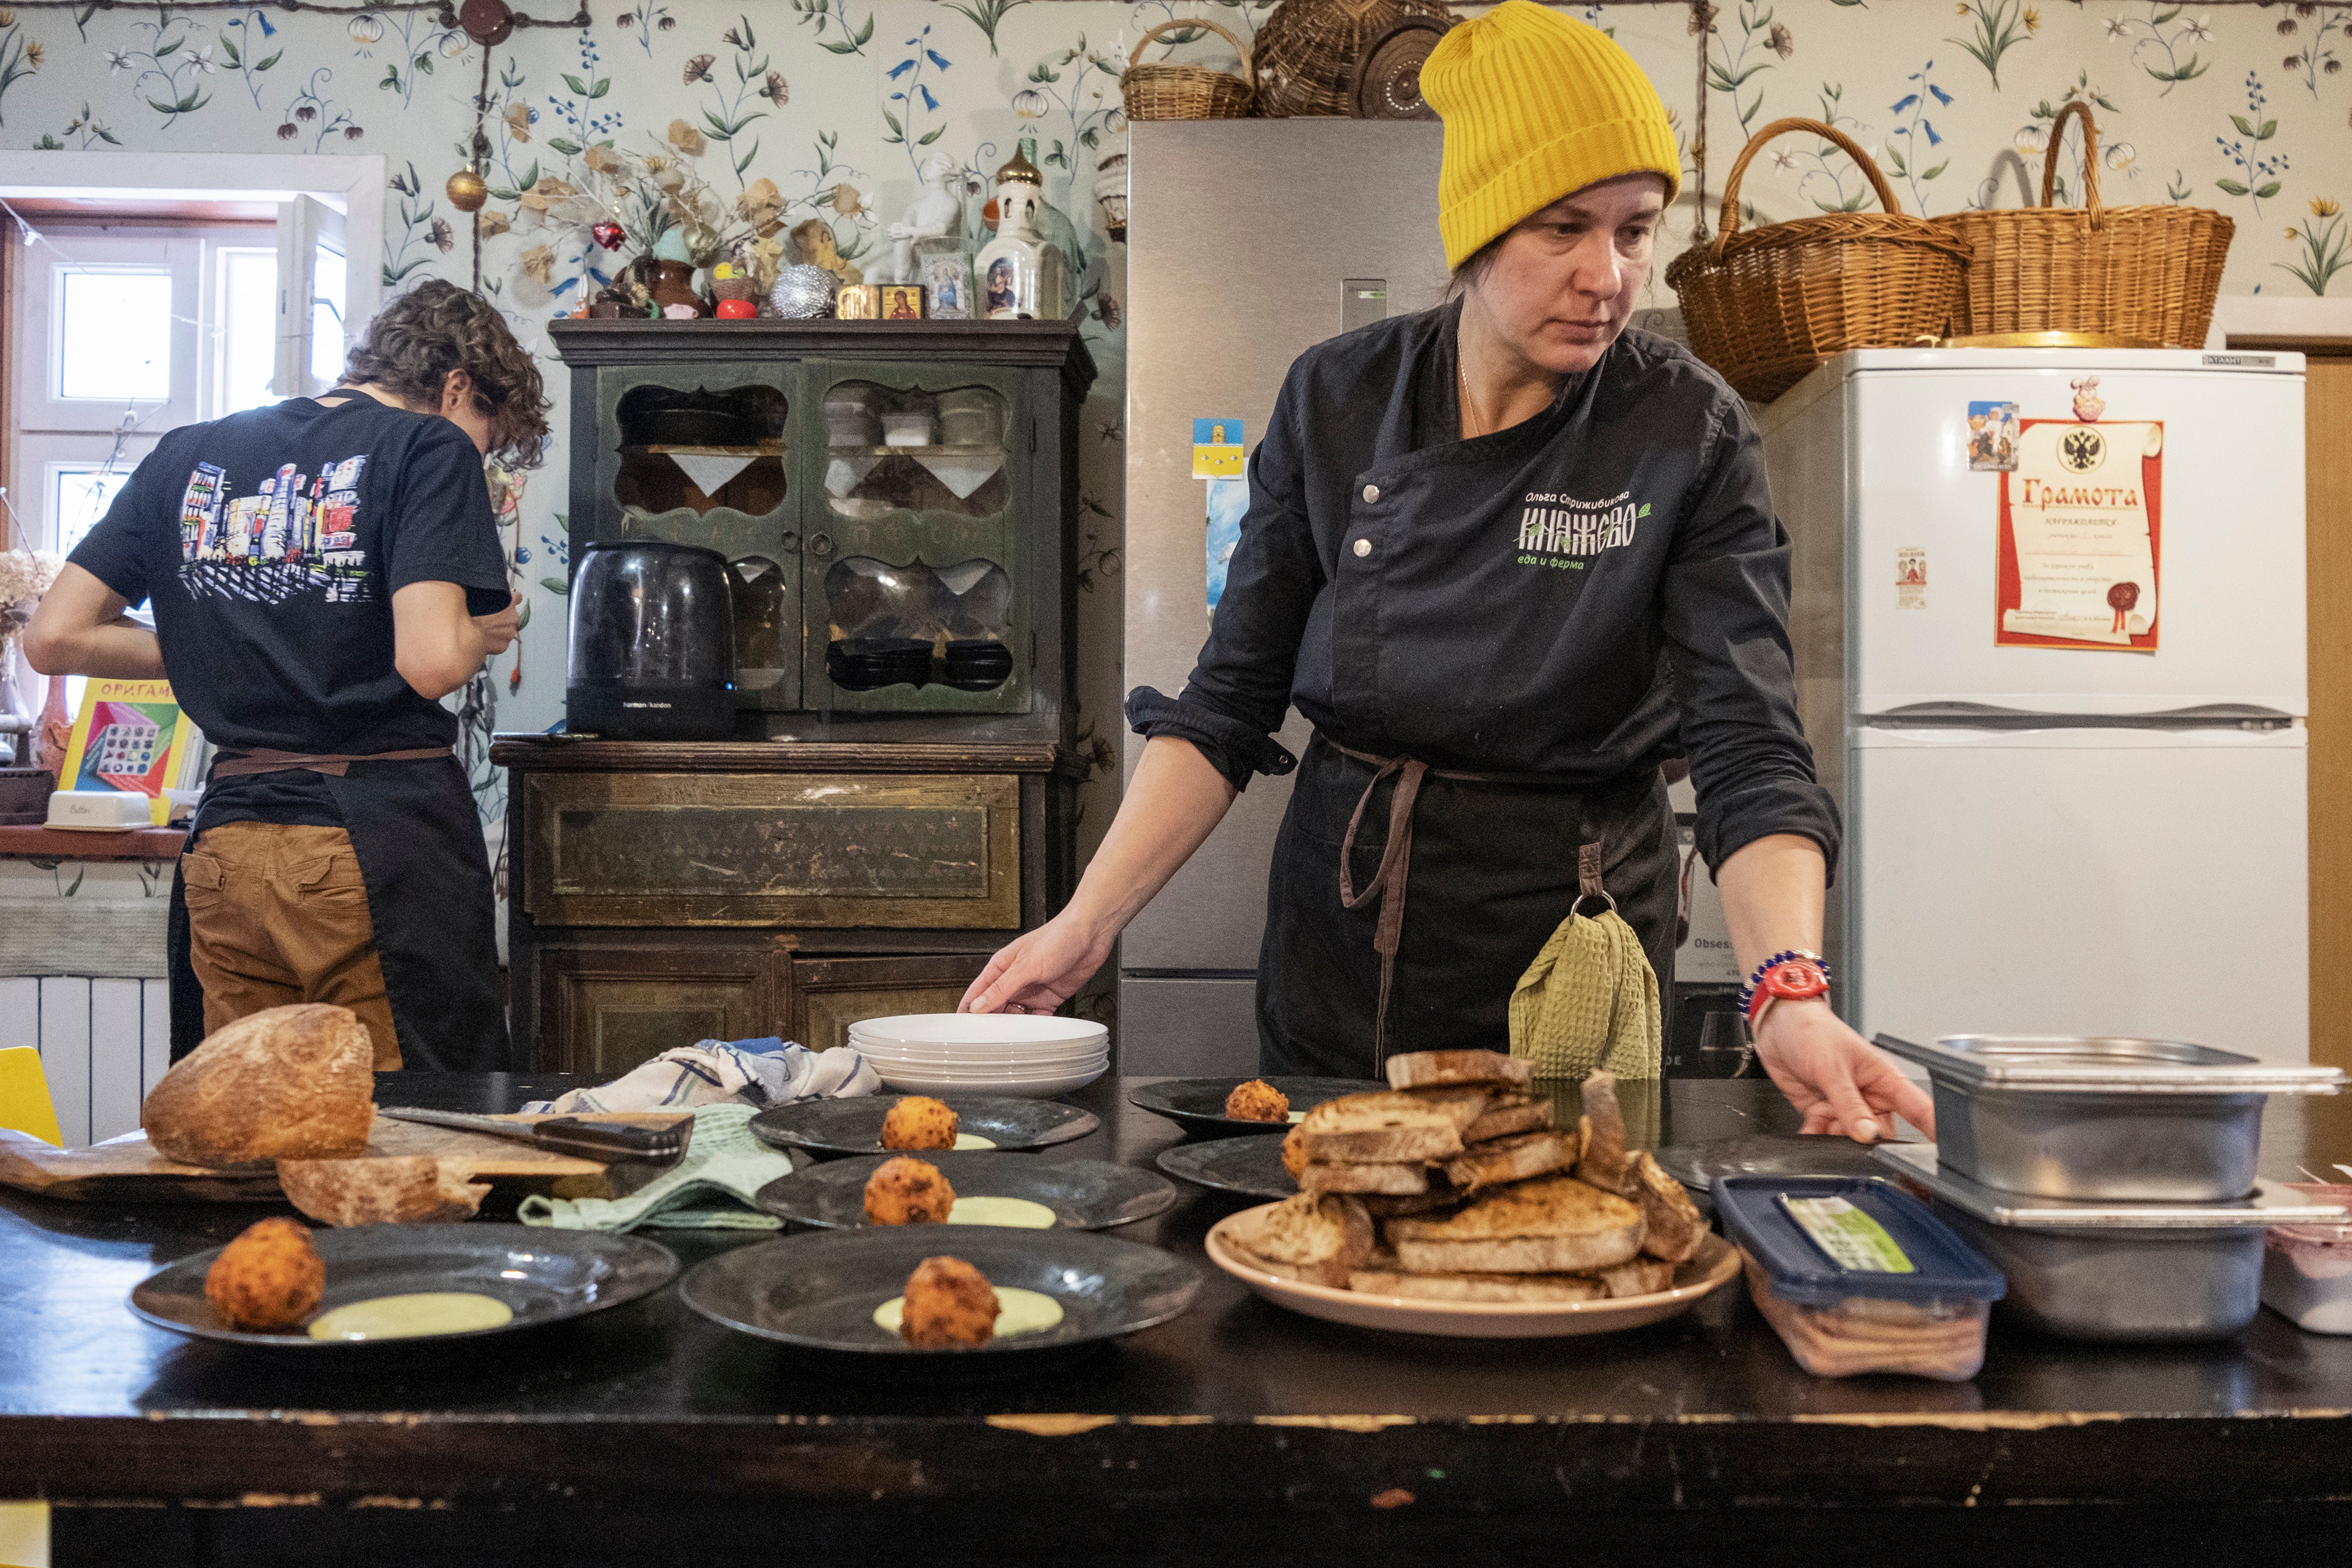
[{"x": 1841, "y": 1081}]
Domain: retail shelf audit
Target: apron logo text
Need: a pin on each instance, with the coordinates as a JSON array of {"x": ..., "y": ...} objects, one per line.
[{"x": 1555, "y": 527}]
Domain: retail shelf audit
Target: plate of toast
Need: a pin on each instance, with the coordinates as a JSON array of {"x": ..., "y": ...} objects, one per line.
[{"x": 1450, "y": 1205}]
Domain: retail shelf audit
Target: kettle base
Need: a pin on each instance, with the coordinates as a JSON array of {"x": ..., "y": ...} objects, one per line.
[{"x": 651, "y": 711}]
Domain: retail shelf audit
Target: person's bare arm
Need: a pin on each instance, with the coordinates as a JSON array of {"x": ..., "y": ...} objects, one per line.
[
  {"x": 81, "y": 629},
  {"x": 1173, "y": 803},
  {"x": 1773, "y": 889},
  {"x": 436, "y": 645}
]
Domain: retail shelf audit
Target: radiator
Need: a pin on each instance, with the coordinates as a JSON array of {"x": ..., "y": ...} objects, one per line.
[{"x": 103, "y": 1044}]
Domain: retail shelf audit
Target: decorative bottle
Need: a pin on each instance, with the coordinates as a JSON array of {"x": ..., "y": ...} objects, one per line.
[{"x": 1018, "y": 273}]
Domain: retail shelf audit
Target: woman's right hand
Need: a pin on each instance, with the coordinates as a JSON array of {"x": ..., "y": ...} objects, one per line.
[{"x": 1039, "y": 970}]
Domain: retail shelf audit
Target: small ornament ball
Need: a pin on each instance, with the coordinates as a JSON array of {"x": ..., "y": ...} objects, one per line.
[{"x": 467, "y": 191}]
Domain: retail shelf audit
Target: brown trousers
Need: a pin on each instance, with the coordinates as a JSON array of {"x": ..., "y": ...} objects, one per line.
[{"x": 278, "y": 914}]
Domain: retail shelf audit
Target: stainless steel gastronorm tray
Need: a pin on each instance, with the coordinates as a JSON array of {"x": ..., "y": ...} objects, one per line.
[
  {"x": 2273, "y": 1203},
  {"x": 2102, "y": 1118}
]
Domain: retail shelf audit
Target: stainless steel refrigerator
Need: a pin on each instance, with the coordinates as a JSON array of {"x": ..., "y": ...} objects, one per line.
[{"x": 1248, "y": 242}]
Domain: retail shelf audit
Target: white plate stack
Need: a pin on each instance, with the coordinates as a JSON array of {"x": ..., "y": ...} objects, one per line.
[{"x": 1019, "y": 1054}]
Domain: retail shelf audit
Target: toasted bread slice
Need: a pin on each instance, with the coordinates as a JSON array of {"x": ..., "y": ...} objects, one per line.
[
  {"x": 1393, "y": 1179},
  {"x": 1605, "y": 1163},
  {"x": 1510, "y": 1159},
  {"x": 1384, "y": 1128},
  {"x": 1428, "y": 1069},
  {"x": 1389, "y": 1206},
  {"x": 1319, "y": 1239},
  {"x": 1478, "y": 1287},
  {"x": 1672, "y": 1224},
  {"x": 1552, "y": 1225},
  {"x": 1642, "y": 1277},
  {"x": 1508, "y": 1116},
  {"x": 1466, "y": 1102}
]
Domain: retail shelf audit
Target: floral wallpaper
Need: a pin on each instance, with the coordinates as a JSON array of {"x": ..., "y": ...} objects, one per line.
[{"x": 822, "y": 112}]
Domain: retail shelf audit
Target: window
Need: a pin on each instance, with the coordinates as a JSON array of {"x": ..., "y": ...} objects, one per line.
[
  {"x": 246, "y": 310},
  {"x": 327, "y": 278},
  {"x": 113, "y": 332}
]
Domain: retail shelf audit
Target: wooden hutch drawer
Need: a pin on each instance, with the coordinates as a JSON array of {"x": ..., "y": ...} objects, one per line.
[{"x": 874, "y": 849}]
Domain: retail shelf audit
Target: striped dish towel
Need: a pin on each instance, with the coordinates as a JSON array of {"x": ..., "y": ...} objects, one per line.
[{"x": 768, "y": 1071}]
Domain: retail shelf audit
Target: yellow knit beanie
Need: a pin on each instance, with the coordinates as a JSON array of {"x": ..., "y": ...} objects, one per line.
[{"x": 1535, "y": 106}]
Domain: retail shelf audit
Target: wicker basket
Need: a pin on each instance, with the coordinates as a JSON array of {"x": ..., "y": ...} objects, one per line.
[
  {"x": 2146, "y": 274},
  {"x": 1307, "y": 50},
  {"x": 1162, "y": 91},
  {"x": 1764, "y": 305}
]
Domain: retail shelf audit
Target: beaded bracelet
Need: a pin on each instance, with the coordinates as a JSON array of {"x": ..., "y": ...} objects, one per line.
[{"x": 1747, "y": 992}]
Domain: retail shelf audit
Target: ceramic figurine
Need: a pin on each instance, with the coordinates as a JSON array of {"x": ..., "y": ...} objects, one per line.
[
  {"x": 674, "y": 280},
  {"x": 817, "y": 247},
  {"x": 1019, "y": 275},
  {"x": 938, "y": 211}
]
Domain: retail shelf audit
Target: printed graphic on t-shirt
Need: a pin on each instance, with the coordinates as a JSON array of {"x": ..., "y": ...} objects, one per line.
[
  {"x": 1562, "y": 531},
  {"x": 296, "y": 534}
]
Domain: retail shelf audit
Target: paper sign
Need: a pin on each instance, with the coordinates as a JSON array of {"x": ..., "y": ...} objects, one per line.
[
  {"x": 1217, "y": 449},
  {"x": 1992, "y": 437},
  {"x": 2080, "y": 537},
  {"x": 1911, "y": 578}
]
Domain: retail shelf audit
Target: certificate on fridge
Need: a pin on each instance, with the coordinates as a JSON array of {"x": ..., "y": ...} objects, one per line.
[{"x": 2081, "y": 536}]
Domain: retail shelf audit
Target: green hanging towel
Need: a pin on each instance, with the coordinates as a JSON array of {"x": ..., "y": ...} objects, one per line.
[{"x": 1590, "y": 1002}]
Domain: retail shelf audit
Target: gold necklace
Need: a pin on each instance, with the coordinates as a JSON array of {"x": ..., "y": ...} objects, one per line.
[{"x": 1462, "y": 382}]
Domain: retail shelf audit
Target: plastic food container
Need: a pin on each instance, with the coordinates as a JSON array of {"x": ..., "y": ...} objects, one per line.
[
  {"x": 850, "y": 420},
  {"x": 2104, "y": 1118},
  {"x": 1857, "y": 1276},
  {"x": 2308, "y": 1268},
  {"x": 2139, "y": 1273},
  {"x": 967, "y": 417},
  {"x": 908, "y": 430}
]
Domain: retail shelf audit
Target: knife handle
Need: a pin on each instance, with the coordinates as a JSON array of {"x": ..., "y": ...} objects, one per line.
[{"x": 609, "y": 1140}]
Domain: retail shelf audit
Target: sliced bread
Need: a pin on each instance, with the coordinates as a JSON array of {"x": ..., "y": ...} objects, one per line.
[
  {"x": 1552, "y": 1225},
  {"x": 1510, "y": 1159},
  {"x": 400, "y": 1189},
  {"x": 1672, "y": 1224},
  {"x": 1478, "y": 1287},
  {"x": 1387, "y": 1206},
  {"x": 1642, "y": 1277},
  {"x": 1605, "y": 1163},
  {"x": 1429, "y": 1069},
  {"x": 1385, "y": 1128},
  {"x": 1393, "y": 1179},
  {"x": 1318, "y": 1238},
  {"x": 1507, "y": 1115}
]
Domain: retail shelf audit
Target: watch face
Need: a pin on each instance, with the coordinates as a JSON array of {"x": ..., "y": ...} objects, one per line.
[{"x": 1796, "y": 979}]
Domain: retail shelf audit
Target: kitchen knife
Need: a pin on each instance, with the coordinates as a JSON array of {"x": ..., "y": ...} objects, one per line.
[{"x": 562, "y": 1135}]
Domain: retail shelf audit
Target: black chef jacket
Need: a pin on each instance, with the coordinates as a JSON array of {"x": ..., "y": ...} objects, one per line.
[{"x": 1585, "y": 594}]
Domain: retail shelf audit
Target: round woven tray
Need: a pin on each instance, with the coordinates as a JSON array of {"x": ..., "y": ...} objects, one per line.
[
  {"x": 2144, "y": 273},
  {"x": 1307, "y": 49},
  {"x": 1164, "y": 92},
  {"x": 1764, "y": 305}
]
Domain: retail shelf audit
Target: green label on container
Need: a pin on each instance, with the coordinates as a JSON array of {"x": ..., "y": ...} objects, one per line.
[{"x": 1851, "y": 1239}]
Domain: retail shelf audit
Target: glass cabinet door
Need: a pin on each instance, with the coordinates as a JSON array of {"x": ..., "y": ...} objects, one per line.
[
  {"x": 705, "y": 456},
  {"x": 916, "y": 597}
]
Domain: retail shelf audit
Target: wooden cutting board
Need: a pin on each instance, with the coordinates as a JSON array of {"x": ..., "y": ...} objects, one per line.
[{"x": 128, "y": 1169}]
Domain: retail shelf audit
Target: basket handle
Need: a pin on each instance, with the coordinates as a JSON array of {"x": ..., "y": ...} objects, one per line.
[
  {"x": 1249, "y": 75},
  {"x": 1756, "y": 144},
  {"x": 2090, "y": 161}
]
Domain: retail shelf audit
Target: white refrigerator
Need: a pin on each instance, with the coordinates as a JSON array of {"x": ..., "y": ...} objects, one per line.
[{"x": 2048, "y": 611}]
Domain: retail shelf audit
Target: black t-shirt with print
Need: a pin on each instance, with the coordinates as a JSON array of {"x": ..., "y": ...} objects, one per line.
[{"x": 270, "y": 544}]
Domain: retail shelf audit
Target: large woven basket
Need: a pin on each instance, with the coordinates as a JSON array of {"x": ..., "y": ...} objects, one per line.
[
  {"x": 1164, "y": 92},
  {"x": 1307, "y": 49},
  {"x": 2148, "y": 275},
  {"x": 1764, "y": 305}
]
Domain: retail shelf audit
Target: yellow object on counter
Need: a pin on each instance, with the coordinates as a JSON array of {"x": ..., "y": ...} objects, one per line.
[
  {"x": 405, "y": 1317},
  {"x": 1590, "y": 1003}
]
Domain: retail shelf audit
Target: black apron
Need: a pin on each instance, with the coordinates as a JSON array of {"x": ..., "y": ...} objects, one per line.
[
  {"x": 418, "y": 840},
  {"x": 1492, "y": 873}
]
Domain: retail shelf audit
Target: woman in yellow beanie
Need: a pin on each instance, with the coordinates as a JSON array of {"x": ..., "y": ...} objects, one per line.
[{"x": 1510, "y": 559}]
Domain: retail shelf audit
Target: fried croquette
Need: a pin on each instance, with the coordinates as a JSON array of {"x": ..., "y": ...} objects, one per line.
[
  {"x": 1257, "y": 1101},
  {"x": 268, "y": 1279},
  {"x": 948, "y": 1302},
  {"x": 919, "y": 1121},
  {"x": 1294, "y": 1152},
  {"x": 908, "y": 1192}
]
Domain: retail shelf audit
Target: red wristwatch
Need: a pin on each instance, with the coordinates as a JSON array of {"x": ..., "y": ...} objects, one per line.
[{"x": 1794, "y": 980}]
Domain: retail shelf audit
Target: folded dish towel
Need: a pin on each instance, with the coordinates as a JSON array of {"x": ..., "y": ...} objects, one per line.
[
  {"x": 766, "y": 1071},
  {"x": 711, "y": 1187},
  {"x": 1590, "y": 1002}
]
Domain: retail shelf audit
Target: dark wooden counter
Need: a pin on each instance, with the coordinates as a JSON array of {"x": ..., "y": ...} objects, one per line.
[
  {"x": 1239, "y": 1432},
  {"x": 34, "y": 841}
]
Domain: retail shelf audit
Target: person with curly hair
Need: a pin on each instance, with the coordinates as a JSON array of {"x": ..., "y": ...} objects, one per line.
[{"x": 323, "y": 572}]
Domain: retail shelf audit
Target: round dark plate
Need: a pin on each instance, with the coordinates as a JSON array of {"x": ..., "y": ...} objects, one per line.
[
  {"x": 1199, "y": 1103},
  {"x": 818, "y": 1290},
  {"x": 854, "y": 1126},
  {"x": 545, "y": 1276},
  {"x": 1250, "y": 1165},
  {"x": 1085, "y": 1195}
]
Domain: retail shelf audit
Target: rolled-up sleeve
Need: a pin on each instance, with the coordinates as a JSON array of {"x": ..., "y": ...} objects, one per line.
[
  {"x": 1727, "y": 625},
  {"x": 1240, "y": 689}
]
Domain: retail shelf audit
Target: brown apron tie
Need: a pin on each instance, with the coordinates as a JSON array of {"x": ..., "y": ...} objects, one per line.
[
  {"x": 262, "y": 759},
  {"x": 1387, "y": 884}
]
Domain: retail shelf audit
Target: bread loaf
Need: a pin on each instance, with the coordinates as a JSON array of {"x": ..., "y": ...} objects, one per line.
[
  {"x": 404, "y": 1189},
  {"x": 295, "y": 1082}
]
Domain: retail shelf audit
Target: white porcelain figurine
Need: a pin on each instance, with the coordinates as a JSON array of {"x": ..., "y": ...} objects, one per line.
[
  {"x": 1019, "y": 274},
  {"x": 938, "y": 211}
]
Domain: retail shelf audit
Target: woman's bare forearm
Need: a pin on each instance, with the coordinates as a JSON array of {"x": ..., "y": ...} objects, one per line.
[
  {"x": 1172, "y": 804},
  {"x": 1773, "y": 889}
]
